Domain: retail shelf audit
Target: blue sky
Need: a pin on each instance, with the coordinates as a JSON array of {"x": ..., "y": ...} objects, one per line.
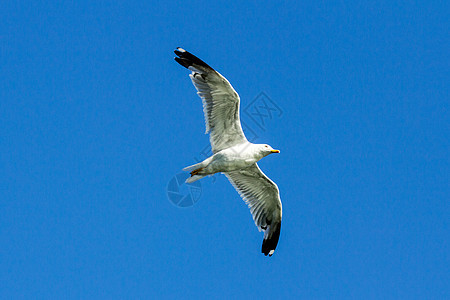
[{"x": 97, "y": 118}]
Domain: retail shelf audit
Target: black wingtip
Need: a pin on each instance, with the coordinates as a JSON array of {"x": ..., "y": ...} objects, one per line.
[
  {"x": 187, "y": 59},
  {"x": 184, "y": 62},
  {"x": 270, "y": 242},
  {"x": 179, "y": 51}
]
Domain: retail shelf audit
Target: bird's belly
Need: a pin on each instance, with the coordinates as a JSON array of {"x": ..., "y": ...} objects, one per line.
[{"x": 231, "y": 164}]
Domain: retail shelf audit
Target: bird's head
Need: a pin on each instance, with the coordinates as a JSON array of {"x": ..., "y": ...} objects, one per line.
[{"x": 266, "y": 149}]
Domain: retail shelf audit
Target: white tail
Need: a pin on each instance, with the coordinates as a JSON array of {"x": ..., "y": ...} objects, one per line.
[
  {"x": 194, "y": 178},
  {"x": 193, "y": 167}
]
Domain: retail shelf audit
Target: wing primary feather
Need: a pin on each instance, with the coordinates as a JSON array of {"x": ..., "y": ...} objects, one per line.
[
  {"x": 187, "y": 59},
  {"x": 271, "y": 237}
]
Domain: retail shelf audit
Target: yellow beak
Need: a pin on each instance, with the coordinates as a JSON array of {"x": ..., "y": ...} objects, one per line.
[{"x": 275, "y": 151}]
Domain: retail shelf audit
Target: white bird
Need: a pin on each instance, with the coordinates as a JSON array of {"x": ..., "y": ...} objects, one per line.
[{"x": 233, "y": 154}]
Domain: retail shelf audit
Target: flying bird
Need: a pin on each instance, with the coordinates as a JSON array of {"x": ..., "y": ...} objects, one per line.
[{"x": 233, "y": 155}]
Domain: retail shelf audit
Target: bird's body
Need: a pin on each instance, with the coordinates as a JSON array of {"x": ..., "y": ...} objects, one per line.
[
  {"x": 231, "y": 159},
  {"x": 233, "y": 154}
]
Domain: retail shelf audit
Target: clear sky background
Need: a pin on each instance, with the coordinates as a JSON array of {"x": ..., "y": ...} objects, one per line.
[{"x": 96, "y": 118}]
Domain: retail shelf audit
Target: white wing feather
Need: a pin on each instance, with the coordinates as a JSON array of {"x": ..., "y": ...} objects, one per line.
[
  {"x": 220, "y": 102},
  {"x": 263, "y": 198},
  {"x": 259, "y": 193}
]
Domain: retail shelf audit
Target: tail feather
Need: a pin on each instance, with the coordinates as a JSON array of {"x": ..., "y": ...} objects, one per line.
[
  {"x": 194, "y": 178},
  {"x": 193, "y": 167},
  {"x": 194, "y": 170},
  {"x": 271, "y": 236}
]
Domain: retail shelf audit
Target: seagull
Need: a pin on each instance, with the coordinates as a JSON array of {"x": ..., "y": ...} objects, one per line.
[{"x": 233, "y": 155}]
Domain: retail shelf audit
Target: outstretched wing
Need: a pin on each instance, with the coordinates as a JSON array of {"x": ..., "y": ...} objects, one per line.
[
  {"x": 262, "y": 197},
  {"x": 220, "y": 102}
]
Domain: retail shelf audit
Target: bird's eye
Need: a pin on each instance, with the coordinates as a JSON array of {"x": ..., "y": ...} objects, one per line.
[{"x": 267, "y": 146}]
